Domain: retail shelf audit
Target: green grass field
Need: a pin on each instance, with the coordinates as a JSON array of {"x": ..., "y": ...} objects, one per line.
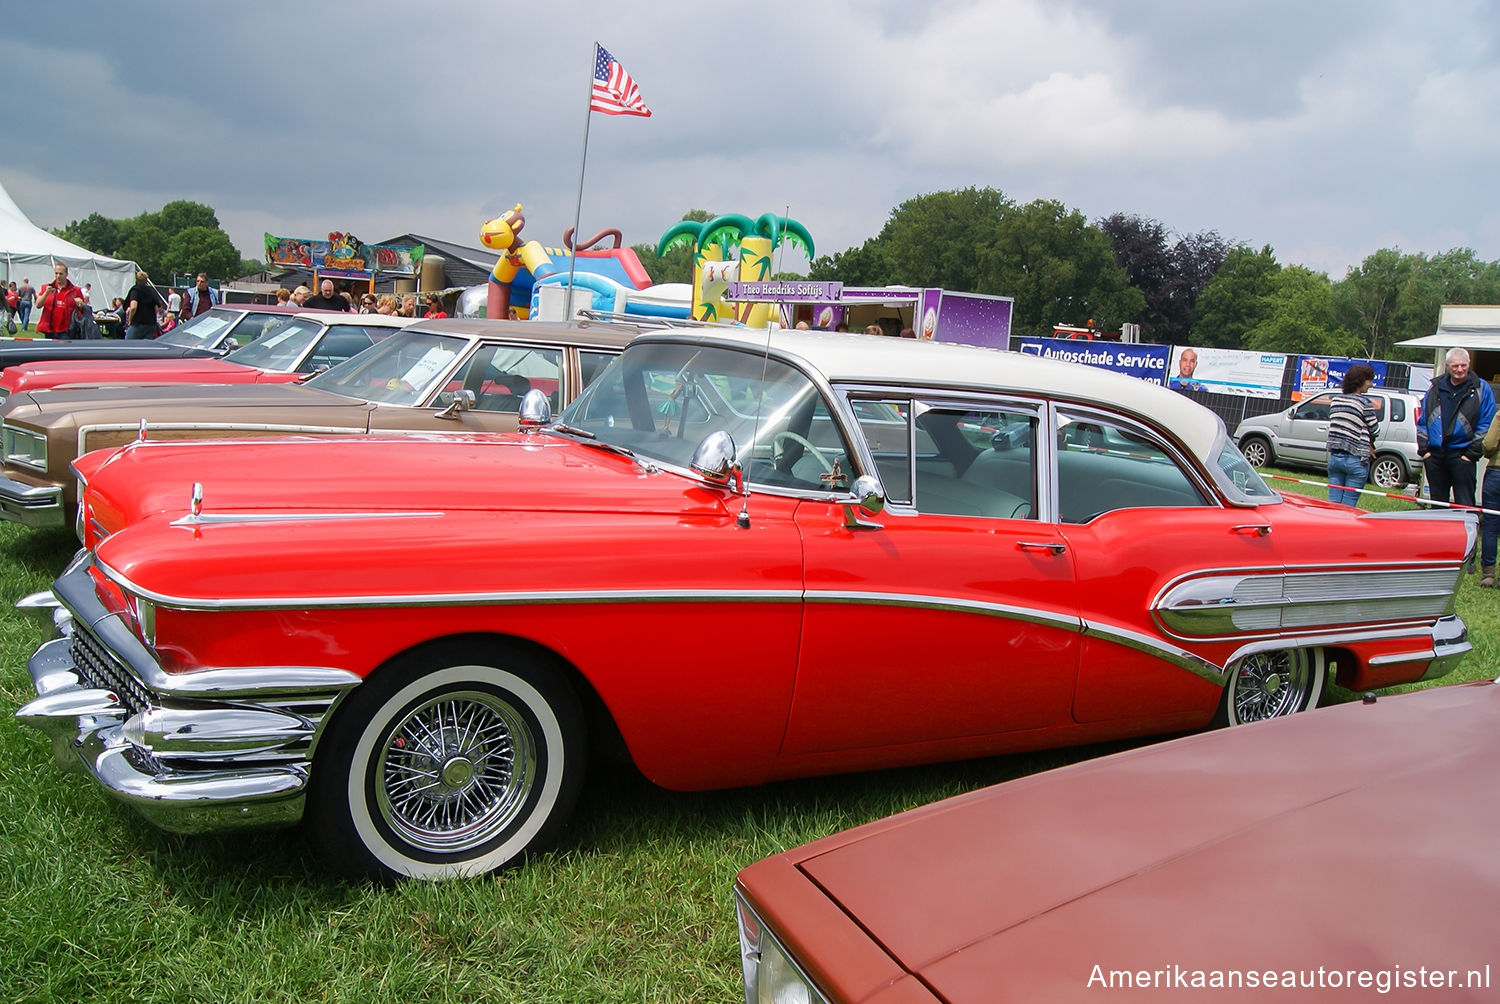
[{"x": 633, "y": 905}]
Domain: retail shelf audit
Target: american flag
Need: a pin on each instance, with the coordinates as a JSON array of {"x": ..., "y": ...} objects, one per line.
[{"x": 614, "y": 92}]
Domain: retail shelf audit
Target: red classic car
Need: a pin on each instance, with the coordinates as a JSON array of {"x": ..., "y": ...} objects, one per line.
[
  {"x": 291, "y": 347},
  {"x": 209, "y": 334},
  {"x": 876, "y": 551},
  {"x": 1340, "y": 855}
]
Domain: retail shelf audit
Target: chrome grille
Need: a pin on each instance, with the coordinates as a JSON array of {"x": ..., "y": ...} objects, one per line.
[{"x": 98, "y": 667}]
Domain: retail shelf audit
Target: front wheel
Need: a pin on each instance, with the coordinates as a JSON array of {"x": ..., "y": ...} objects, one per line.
[
  {"x": 1389, "y": 472},
  {"x": 1272, "y": 685},
  {"x": 451, "y": 761}
]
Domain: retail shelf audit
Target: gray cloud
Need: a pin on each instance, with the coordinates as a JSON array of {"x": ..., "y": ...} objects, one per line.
[{"x": 1325, "y": 130}]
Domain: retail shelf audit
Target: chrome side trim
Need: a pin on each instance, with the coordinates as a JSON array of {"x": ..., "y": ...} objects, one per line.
[
  {"x": 1033, "y": 615},
  {"x": 75, "y": 591},
  {"x": 1164, "y": 650},
  {"x": 249, "y": 428},
  {"x": 508, "y": 598},
  {"x": 222, "y": 518},
  {"x": 1233, "y": 605}
]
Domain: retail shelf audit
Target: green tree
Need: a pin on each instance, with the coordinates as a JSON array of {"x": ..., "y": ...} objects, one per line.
[
  {"x": 1059, "y": 268},
  {"x": 1236, "y": 299},
  {"x": 1372, "y": 298},
  {"x": 944, "y": 238},
  {"x": 145, "y": 244},
  {"x": 181, "y": 214},
  {"x": 865, "y": 265},
  {"x": 201, "y": 249},
  {"x": 1299, "y": 318},
  {"x": 677, "y": 264},
  {"x": 99, "y": 234}
]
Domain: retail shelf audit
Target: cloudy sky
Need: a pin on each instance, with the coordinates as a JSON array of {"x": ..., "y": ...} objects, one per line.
[{"x": 1325, "y": 128}]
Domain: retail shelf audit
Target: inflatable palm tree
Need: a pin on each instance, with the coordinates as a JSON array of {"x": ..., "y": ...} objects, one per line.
[{"x": 728, "y": 248}]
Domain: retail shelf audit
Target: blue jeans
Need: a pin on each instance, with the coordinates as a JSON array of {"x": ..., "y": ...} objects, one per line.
[
  {"x": 24, "y": 310},
  {"x": 1346, "y": 472},
  {"x": 1489, "y": 526},
  {"x": 141, "y": 331}
]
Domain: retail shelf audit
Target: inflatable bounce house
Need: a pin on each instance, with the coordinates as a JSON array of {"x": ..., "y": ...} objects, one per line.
[
  {"x": 732, "y": 248},
  {"x": 611, "y": 279}
]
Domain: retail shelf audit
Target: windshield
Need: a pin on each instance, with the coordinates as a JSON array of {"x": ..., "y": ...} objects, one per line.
[
  {"x": 402, "y": 370},
  {"x": 660, "y": 401},
  {"x": 279, "y": 349},
  {"x": 202, "y": 331}
]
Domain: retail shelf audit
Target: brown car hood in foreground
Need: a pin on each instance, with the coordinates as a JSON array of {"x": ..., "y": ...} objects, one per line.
[{"x": 1357, "y": 837}]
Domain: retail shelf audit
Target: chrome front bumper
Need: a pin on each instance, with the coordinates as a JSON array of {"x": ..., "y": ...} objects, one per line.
[
  {"x": 31, "y": 505},
  {"x": 210, "y": 750}
]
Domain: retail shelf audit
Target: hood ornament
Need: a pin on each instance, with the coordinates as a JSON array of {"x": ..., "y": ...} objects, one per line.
[
  {"x": 141, "y": 436},
  {"x": 195, "y": 500}
]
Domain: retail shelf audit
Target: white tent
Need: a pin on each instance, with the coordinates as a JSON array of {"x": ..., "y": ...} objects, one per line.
[{"x": 28, "y": 252}]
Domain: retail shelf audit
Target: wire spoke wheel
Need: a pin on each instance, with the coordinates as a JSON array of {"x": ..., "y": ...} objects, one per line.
[
  {"x": 455, "y": 771},
  {"x": 1272, "y": 684}
]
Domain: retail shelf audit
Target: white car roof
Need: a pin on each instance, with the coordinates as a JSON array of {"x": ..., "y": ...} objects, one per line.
[
  {"x": 369, "y": 320},
  {"x": 850, "y": 358}
]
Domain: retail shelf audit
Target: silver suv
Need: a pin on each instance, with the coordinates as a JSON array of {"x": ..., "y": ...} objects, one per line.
[{"x": 1298, "y": 437}]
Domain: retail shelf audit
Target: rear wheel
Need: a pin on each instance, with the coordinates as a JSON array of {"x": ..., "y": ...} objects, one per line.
[
  {"x": 1388, "y": 472},
  {"x": 1272, "y": 685},
  {"x": 1257, "y": 450},
  {"x": 451, "y": 761}
]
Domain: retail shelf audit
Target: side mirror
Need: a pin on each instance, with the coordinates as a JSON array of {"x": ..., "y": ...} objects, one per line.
[
  {"x": 715, "y": 460},
  {"x": 536, "y": 411},
  {"x": 867, "y": 497},
  {"x": 461, "y": 401}
]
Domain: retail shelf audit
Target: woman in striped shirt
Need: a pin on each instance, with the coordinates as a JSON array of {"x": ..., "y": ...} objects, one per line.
[{"x": 1352, "y": 422}]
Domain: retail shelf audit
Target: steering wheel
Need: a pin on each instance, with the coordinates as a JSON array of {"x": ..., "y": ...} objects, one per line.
[{"x": 817, "y": 454}]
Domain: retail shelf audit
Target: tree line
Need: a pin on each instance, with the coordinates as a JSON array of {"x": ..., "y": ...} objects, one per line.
[
  {"x": 183, "y": 238},
  {"x": 1196, "y": 289}
]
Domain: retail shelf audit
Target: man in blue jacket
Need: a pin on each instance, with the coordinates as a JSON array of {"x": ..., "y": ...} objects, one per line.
[{"x": 1456, "y": 413}]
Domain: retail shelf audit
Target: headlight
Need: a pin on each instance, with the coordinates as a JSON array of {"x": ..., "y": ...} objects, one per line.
[
  {"x": 771, "y": 977},
  {"x": 29, "y": 449}
]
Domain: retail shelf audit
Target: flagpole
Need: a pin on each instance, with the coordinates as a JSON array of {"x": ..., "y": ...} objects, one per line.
[{"x": 583, "y": 160}]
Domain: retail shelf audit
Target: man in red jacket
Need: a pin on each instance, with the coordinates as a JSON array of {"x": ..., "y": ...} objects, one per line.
[{"x": 56, "y": 302}]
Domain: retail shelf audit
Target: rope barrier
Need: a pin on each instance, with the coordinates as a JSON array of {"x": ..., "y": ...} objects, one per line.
[{"x": 1418, "y": 500}]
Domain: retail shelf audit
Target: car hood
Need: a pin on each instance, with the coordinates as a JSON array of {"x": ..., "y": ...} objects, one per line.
[
  {"x": 466, "y": 512},
  {"x": 217, "y": 403},
  {"x": 375, "y": 473},
  {"x": 1359, "y": 835},
  {"x": 81, "y": 373}
]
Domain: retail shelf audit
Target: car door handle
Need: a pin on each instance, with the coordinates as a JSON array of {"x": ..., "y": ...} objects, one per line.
[
  {"x": 1252, "y": 529},
  {"x": 1050, "y": 546}
]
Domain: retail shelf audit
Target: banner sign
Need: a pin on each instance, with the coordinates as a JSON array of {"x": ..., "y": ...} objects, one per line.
[
  {"x": 343, "y": 254},
  {"x": 1315, "y": 374},
  {"x": 785, "y": 291},
  {"x": 1227, "y": 371},
  {"x": 1147, "y": 362}
]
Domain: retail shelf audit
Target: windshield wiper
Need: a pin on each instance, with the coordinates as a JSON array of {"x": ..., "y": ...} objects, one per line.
[{"x": 590, "y": 439}]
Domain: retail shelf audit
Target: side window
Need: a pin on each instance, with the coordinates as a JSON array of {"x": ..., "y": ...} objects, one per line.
[
  {"x": 338, "y": 344},
  {"x": 1315, "y": 410},
  {"x": 983, "y": 463},
  {"x": 1397, "y": 407},
  {"x": 500, "y": 375},
  {"x": 886, "y": 424},
  {"x": 592, "y": 364},
  {"x": 1103, "y": 466}
]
